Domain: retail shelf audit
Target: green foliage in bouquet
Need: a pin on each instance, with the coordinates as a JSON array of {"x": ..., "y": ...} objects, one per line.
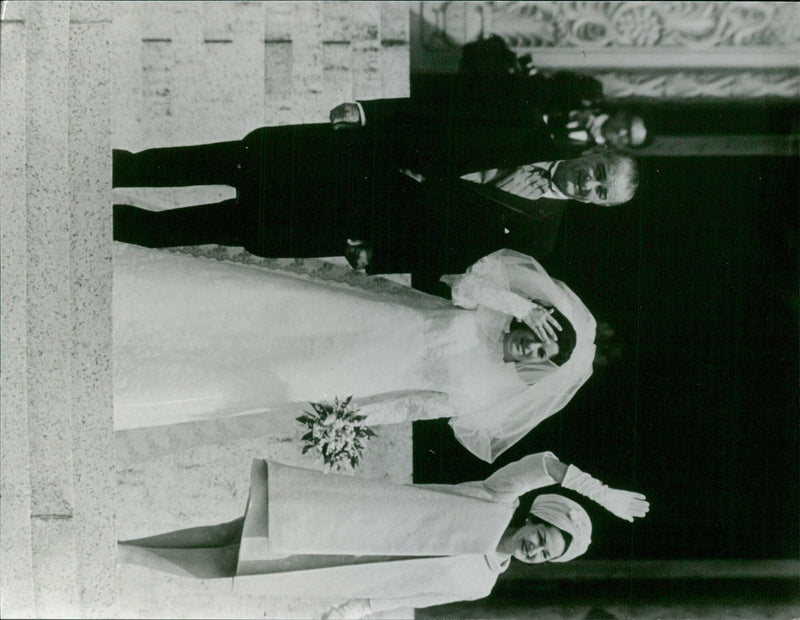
[{"x": 336, "y": 432}]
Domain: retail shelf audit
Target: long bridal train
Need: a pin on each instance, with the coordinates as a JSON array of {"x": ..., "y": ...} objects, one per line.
[{"x": 199, "y": 338}]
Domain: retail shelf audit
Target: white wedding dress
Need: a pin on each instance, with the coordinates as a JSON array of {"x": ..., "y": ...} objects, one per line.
[{"x": 198, "y": 338}]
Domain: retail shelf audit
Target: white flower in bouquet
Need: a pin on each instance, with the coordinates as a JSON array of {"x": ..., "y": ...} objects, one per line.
[{"x": 336, "y": 432}]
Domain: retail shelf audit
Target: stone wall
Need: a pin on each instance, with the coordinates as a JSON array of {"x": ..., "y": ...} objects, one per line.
[
  {"x": 194, "y": 72},
  {"x": 189, "y": 72},
  {"x": 57, "y": 535}
]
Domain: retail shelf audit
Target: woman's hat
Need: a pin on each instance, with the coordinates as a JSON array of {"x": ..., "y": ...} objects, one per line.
[{"x": 568, "y": 516}]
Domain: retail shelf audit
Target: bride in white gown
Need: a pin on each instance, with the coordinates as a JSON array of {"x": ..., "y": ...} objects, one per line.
[{"x": 198, "y": 338}]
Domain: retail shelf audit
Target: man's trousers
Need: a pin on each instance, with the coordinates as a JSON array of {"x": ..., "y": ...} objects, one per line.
[{"x": 301, "y": 190}]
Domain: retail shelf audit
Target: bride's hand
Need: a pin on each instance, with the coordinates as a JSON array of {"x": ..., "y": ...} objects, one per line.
[
  {"x": 358, "y": 254},
  {"x": 542, "y": 323}
]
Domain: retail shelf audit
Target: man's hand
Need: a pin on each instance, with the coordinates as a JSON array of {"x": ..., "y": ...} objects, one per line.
[
  {"x": 541, "y": 321},
  {"x": 525, "y": 65},
  {"x": 345, "y": 116}
]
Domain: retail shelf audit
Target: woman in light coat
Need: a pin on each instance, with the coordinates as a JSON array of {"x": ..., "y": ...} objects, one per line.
[{"x": 378, "y": 546}]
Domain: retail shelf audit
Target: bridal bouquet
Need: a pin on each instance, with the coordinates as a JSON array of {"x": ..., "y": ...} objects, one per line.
[{"x": 336, "y": 432}]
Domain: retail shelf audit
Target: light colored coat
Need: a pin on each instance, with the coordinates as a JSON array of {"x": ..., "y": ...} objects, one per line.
[{"x": 424, "y": 544}]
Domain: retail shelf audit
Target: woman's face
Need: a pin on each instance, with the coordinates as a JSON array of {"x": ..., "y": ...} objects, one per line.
[
  {"x": 522, "y": 345},
  {"x": 535, "y": 543}
]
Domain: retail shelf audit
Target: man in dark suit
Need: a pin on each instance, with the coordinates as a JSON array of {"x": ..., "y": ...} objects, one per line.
[
  {"x": 495, "y": 69},
  {"x": 573, "y": 104},
  {"x": 386, "y": 172}
]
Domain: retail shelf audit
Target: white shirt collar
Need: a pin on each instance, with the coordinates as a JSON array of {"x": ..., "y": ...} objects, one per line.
[{"x": 551, "y": 167}]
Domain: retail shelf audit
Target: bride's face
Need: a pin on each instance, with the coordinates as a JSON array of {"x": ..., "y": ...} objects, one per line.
[{"x": 522, "y": 345}]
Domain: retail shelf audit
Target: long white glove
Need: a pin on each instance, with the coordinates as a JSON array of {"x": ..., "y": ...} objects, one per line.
[
  {"x": 351, "y": 610},
  {"x": 624, "y": 504}
]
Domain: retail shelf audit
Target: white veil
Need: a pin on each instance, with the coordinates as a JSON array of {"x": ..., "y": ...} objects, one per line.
[{"x": 490, "y": 431}]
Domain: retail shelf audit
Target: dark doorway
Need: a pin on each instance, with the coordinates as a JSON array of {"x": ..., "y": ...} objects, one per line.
[{"x": 699, "y": 278}]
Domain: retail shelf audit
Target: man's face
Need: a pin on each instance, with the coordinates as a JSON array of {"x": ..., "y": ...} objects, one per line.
[
  {"x": 522, "y": 345},
  {"x": 623, "y": 131},
  {"x": 595, "y": 178},
  {"x": 616, "y": 131},
  {"x": 537, "y": 543}
]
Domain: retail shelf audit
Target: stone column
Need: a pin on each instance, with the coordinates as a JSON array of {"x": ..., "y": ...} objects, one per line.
[{"x": 57, "y": 534}]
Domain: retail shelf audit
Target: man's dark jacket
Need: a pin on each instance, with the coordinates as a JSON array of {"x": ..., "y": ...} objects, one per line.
[{"x": 303, "y": 190}]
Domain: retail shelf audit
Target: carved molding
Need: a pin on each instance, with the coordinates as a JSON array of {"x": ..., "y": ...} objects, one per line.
[
  {"x": 598, "y": 25},
  {"x": 700, "y": 84},
  {"x": 638, "y": 49},
  {"x": 696, "y": 25}
]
